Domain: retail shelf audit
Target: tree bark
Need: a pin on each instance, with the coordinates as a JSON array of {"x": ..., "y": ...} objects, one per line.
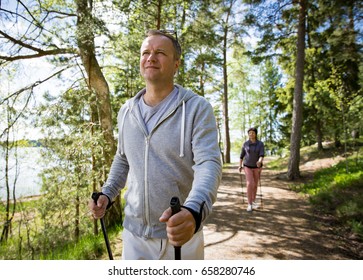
[
  {"x": 227, "y": 140},
  {"x": 9, "y": 213},
  {"x": 294, "y": 161},
  {"x": 319, "y": 135}
]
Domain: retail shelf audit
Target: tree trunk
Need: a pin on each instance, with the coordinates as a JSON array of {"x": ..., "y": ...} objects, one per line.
[
  {"x": 181, "y": 71},
  {"x": 319, "y": 135},
  {"x": 227, "y": 146},
  {"x": 201, "y": 79},
  {"x": 159, "y": 6},
  {"x": 294, "y": 161},
  {"x": 95, "y": 167},
  {"x": 9, "y": 214},
  {"x": 97, "y": 83},
  {"x": 7, "y": 220},
  {"x": 77, "y": 220},
  {"x": 227, "y": 141}
]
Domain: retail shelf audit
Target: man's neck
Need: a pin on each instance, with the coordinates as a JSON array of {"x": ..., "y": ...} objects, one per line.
[{"x": 155, "y": 94}]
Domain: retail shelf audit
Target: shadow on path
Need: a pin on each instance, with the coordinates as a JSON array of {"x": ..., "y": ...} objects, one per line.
[{"x": 283, "y": 229}]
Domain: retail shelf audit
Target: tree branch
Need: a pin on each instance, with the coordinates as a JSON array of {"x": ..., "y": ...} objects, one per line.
[
  {"x": 30, "y": 47},
  {"x": 32, "y": 86},
  {"x": 40, "y": 54}
]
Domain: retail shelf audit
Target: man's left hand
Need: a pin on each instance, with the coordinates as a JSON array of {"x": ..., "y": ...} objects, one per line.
[{"x": 179, "y": 227}]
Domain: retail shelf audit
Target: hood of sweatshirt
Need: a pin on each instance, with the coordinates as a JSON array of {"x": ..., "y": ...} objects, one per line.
[{"x": 182, "y": 97}]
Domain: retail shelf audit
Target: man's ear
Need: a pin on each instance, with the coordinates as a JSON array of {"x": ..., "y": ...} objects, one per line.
[{"x": 177, "y": 63}]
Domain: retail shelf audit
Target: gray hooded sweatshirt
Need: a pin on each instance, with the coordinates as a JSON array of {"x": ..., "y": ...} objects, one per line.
[{"x": 179, "y": 157}]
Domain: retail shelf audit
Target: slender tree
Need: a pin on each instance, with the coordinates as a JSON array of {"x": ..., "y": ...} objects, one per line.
[
  {"x": 271, "y": 108},
  {"x": 10, "y": 199},
  {"x": 294, "y": 161},
  {"x": 226, "y": 23}
]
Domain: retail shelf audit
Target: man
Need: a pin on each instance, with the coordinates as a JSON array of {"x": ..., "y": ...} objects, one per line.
[{"x": 167, "y": 147}]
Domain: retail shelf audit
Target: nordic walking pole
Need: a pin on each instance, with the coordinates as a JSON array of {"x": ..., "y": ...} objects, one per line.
[
  {"x": 260, "y": 187},
  {"x": 175, "y": 208},
  {"x": 243, "y": 197},
  {"x": 95, "y": 197}
]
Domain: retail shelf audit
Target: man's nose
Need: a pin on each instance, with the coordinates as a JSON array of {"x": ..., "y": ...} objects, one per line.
[{"x": 151, "y": 57}]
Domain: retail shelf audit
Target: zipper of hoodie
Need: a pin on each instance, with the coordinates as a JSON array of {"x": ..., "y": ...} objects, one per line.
[
  {"x": 146, "y": 200},
  {"x": 146, "y": 191},
  {"x": 146, "y": 188}
]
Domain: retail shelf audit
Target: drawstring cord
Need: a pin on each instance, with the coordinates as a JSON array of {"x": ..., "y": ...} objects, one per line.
[{"x": 182, "y": 132}]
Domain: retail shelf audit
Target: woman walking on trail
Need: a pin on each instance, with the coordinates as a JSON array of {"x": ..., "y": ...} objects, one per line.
[{"x": 251, "y": 161}]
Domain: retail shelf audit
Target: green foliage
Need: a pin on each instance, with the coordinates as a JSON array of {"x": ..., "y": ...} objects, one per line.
[
  {"x": 338, "y": 193},
  {"x": 333, "y": 191},
  {"x": 31, "y": 241},
  {"x": 333, "y": 62},
  {"x": 73, "y": 152},
  {"x": 258, "y": 95}
]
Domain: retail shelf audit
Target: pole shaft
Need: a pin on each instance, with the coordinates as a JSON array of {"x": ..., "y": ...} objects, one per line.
[
  {"x": 103, "y": 226},
  {"x": 95, "y": 197}
]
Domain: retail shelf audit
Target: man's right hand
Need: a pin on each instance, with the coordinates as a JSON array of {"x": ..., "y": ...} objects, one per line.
[{"x": 99, "y": 210}]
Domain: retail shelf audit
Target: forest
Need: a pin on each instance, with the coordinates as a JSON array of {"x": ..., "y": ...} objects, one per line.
[{"x": 292, "y": 68}]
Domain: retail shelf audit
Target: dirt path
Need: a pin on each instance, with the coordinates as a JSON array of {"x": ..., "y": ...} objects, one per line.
[{"x": 284, "y": 229}]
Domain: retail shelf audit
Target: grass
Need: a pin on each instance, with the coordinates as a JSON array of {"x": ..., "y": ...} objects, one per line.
[
  {"x": 339, "y": 193},
  {"x": 89, "y": 247},
  {"x": 336, "y": 191},
  {"x": 31, "y": 239}
]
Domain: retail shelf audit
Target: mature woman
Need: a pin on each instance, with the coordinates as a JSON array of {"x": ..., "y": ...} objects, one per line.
[{"x": 251, "y": 159}]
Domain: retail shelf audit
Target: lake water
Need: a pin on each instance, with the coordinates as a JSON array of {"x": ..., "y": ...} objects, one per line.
[{"x": 29, "y": 166}]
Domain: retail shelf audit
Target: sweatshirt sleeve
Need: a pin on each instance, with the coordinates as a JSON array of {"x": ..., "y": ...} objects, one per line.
[
  {"x": 243, "y": 152},
  {"x": 117, "y": 176},
  {"x": 262, "y": 150},
  {"x": 207, "y": 161}
]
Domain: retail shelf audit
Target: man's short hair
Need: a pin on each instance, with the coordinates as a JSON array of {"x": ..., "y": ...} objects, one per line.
[{"x": 171, "y": 34}]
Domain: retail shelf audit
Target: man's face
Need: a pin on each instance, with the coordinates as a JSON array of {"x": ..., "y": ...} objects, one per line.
[{"x": 157, "y": 60}]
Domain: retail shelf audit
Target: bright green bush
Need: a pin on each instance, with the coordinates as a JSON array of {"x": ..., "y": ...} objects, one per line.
[{"x": 337, "y": 192}]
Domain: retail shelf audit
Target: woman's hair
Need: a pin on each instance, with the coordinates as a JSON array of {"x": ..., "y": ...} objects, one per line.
[{"x": 252, "y": 129}]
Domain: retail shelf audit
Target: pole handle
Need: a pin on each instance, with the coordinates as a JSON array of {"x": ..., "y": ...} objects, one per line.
[
  {"x": 175, "y": 205},
  {"x": 175, "y": 208},
  {"x": 95, "y": 196}
]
